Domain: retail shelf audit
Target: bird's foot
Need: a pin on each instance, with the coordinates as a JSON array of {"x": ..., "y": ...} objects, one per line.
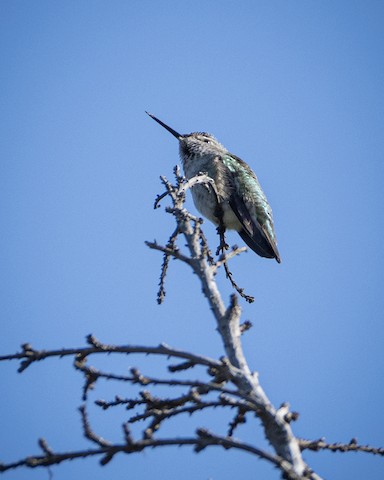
[{"x": 223, "y": 245}]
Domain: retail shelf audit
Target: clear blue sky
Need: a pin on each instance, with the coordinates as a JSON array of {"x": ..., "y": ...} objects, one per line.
[{"x": 296, "y": 90}]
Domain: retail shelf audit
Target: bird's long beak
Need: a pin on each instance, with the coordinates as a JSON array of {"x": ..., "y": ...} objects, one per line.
[{"x": 170, "y": 130}]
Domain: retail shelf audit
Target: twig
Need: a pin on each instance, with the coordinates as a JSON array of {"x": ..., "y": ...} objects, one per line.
[
  {"x": 30, "y": 355},
  {"x": 352, "y": 446},
  {"x": 203, "y": 439}
]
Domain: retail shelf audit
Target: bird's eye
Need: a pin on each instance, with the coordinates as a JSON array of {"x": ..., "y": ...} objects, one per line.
[{"x": 206, "y": 140}]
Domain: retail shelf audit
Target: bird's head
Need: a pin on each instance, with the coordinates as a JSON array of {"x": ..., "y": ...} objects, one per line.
[{"x": 198, "y": 143}]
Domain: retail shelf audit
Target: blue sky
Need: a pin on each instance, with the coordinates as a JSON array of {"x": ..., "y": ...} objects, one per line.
[{"x": 296, "y": 90}]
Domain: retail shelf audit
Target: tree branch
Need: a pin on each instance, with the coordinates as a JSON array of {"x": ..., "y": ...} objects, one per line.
[
  {"x": 277, "y": 429},
  {"x": 202, "y": 440},
  {"x": 352, "y": 446},
  {"x": 229, "y": 382}
]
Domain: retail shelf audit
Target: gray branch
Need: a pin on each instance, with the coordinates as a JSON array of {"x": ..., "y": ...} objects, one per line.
[{"x": 277, "y": 429}]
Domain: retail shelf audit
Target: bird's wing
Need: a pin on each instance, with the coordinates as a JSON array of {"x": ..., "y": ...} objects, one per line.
[
  {"x": 254, "y": 235},
  {"x": 246, "y": 204}
]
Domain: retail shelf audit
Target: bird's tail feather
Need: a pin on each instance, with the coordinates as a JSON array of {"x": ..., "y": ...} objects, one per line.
[{"x": 260, "y": 245}]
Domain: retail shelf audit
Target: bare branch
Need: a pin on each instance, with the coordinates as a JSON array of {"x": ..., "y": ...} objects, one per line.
[
  {"x": 203, "y": 440},
  {"x": 227, "y": 383},
  {"x": 233, "y": 253},
  {"x": 31, "y": 355},
  {"x": 88, "y": 432},
  {"x": 352, "y": 446},
  {"x": 277, "y": 429}
]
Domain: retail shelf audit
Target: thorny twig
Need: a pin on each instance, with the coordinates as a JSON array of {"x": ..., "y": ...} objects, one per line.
[{"x": 352, "y": 446}]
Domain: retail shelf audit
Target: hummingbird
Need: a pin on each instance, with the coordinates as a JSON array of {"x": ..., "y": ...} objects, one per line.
[{"x": 239, "y": 197}]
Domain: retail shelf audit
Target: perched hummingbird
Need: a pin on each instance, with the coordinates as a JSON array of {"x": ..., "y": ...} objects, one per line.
[{"x": 244, "y": 206}]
